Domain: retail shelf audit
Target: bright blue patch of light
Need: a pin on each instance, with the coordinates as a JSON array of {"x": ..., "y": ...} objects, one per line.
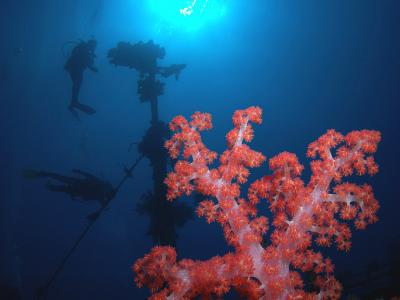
[{"x": 186, "y": 15}]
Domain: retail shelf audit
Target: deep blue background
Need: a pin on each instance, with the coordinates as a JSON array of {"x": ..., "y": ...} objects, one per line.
[{"x": 311, "y": 66}]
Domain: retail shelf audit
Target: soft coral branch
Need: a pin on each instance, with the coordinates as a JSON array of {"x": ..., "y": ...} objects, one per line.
[{"x": 301, "y": 212}]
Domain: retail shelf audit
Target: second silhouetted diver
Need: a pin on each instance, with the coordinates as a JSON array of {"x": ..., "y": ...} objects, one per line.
[{"x": 84, "y": 186}]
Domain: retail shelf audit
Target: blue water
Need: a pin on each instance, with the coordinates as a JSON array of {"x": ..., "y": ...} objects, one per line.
[{"x": 310, "y": 65}]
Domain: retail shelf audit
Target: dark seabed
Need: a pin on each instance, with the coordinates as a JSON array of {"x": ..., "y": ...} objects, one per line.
[{"x": 310, "y": 65}]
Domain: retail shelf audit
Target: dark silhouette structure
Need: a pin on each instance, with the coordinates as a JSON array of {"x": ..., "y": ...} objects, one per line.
[
  {"x": 165, "y": 216},
  {"x": 171, "y": 70},
  {"x": 81, "y": 58},
  {"x": 143, "y": 58}
]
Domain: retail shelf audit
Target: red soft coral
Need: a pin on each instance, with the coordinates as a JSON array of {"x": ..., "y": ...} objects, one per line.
[{"x": 300, "y": 211}]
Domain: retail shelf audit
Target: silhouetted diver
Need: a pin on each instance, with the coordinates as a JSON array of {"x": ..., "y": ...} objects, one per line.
[{"x": 81, "y": 58}]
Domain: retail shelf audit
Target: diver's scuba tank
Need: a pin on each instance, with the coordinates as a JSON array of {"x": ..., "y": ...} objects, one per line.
[{"x": 74, "y": 43}]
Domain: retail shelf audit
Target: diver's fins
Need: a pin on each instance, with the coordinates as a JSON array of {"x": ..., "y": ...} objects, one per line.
[
  {"x": 74, "y": 112},
  {"x": 84, "y": 108}
]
